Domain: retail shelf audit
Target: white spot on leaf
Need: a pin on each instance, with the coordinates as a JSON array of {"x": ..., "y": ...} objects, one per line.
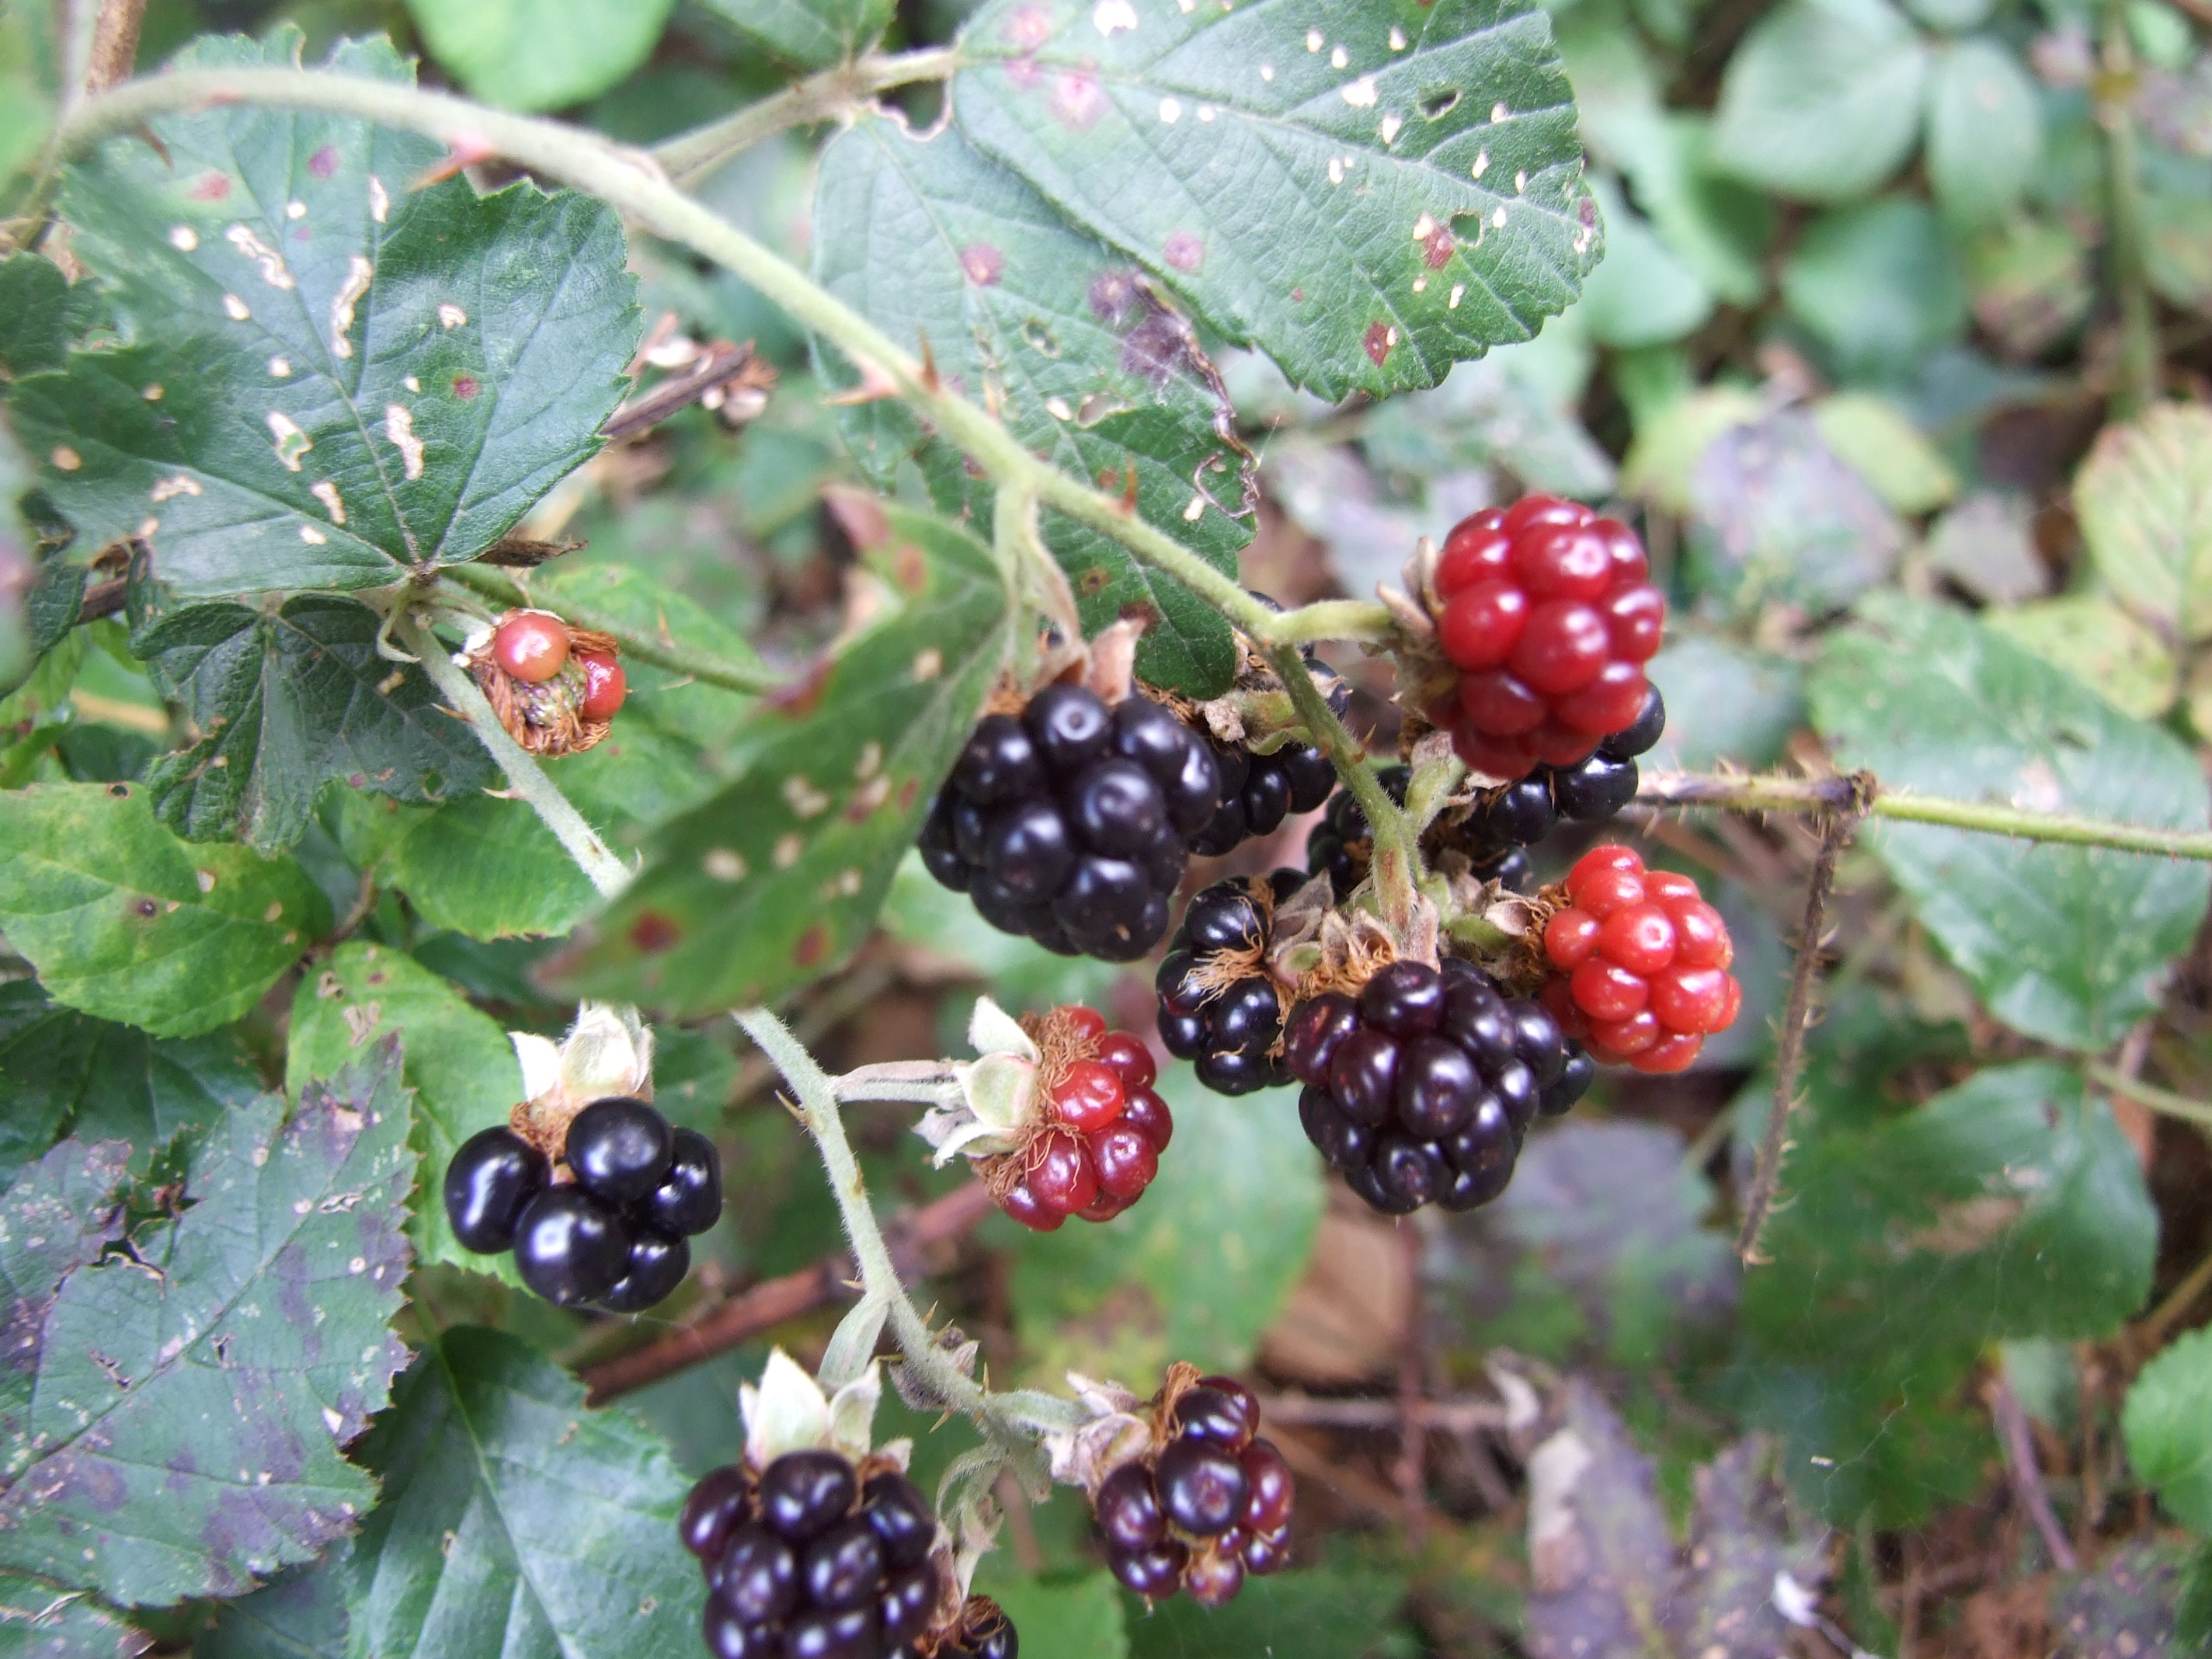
[
  {"x": 66, "y": 459},
  {"x": 312, "y": 537},
  {"x": 295, "y": 209},
  {"x": 1500, "y": 112},
  {"x": 1335, "y": 170},
  {"x": 152, "y": 394},
  {"x": 928, "y": 664},
  {"x": 1424, "y": 228},
  {"x": 1392, "y": 125},
  {"x": 380, "y": 205},
  {"x": 1315, "y": 40},
  {"x": 1397, "y": 38},
  {"x": 1497, "y": 219},
  {"x": 1267, "y": 71},
  {"x": 1058, "y": 409},
  {"x": 1206, "y": 111},
  {"x": 327, "y": 494},
  {"x": 1360, "y": 94},
  {"x": 358, "y": 271},
  {"x": 1170, "y": 111},
  {"x": 788, "y": 849},
  {"x": 181, "y": 484},
  {"x": 723, "y": 865},
  {"x": 1459, "y": 291},
  {"x": 1110, "y": 16},
  {"x": 1520, "y": 183},
  {"x": 291, "y": 442},
  {"x": 1340, "y": 58},
  {"x": 1481, "y": 163},
  {"x": 280, "y": 367},
  {"x": 804, "y": 801},
  {"x": 234, "y": 308},
  {"x": 1195, "y": 511},
  {"x": 451, "y": 315},
  {"x": 1420, "y": 284},
  {"x": 184, "y": 238},
  {"x": 399, "y": 428},
  {"x": 242, "y": 238}
]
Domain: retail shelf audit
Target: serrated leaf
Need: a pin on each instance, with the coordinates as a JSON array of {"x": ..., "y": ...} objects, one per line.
[
  {"x": 299, "y": 1614},
  {"x": 1239, "y": 1190},
  {"x": 1822, "y": 99},
  {"x": 457, "y": 1061},
  {"x": 292, "y": 701},
  {"x": 1067, "y": 343},
  {"x": 2168, "y": 1425},
  {"x": 2104, "y": 647},
  {"x": 124, "y": 921},
  {"x": 382, "y": 380},
  {"x": 514, "y": 1521},
  {"x": 34, "y": 315},
  {"x": 41, "y": 1620},
  {"x": 1985, "y": 131},
  {"x": 2145, "y": 500},
  {"x": 62, "y": 1073},
  {"x": 1367, "y": 194},
  {"x": 808, "y": 34},
  {"x": 2067, "y": 944},
  {"x": 540, "y": 54},
  {"x": 777, "y": 877},
  {"x": 184, "y": 1431}
]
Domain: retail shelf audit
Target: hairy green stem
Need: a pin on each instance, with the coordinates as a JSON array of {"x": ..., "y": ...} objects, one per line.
[
  {"x": 490, "y": 583},
  {"x": 1361, "y": 620},
  {"x": 927, "y": 1365},
  {"x": 1397, "y": 861},
  {"x": 2139, "y": 368},
  {"x": 2159, "y": 1100},
  {"x": 1773, "y": 794},
  {"x": 523, "y": 776},
  {"x": 821, "y": 97}
]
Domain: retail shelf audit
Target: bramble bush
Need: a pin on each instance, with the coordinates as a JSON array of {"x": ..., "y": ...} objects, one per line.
[{"x": 1413, "y": 792}]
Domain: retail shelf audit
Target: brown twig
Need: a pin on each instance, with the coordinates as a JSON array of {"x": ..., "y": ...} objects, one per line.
[
  {"x": 1758, "y": 1203},
  {"x": 730, "y": 369},
  {"x": 2026, "y": 1474},
  {"x": 114, "y": 44},
  {"x": 2148, "y": 1334},
  {"x": 773, "y": 1301}
]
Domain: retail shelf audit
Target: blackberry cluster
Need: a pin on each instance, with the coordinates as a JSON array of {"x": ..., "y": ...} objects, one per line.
[
  {"x": 1072, "y": 822},
  {"x": 1420, "y": 1089},
  {"x": 1211, "y": 1505},
  {"x": 1640, "y": 962},
  {"x": 614, "y": 1237},
  {"x": 1102, "y": 1145},
  {"x": 1258, "y": 792},
  {"x": 809, "y": 1561},
  {"x": 1217, "y": 1006}
]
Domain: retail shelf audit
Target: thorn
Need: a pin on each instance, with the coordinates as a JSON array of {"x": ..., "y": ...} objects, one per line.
[
  {"x": 466, "y": 151},
  {"x": 875, "y": 386},
  {"x": 153, "y": 142},
  {"x": 929, "y": 380},
  {"x": 1129, "y": 489}
]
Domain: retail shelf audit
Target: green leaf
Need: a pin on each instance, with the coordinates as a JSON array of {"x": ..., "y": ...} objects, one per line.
[
  {"x": 1663, "y": 462},
  {"x": 808, "y": 34},
  {"x": 2145, "y": 500},
  {"x": 2178, "y": 248},
  {"x": 1368, "y": 194},
  {"x": 1022, "y": 975},
  {"x": 1240, "y": 1190},
  {"x": 1068, "y": 1618},
  {"x": 186, "y": 1420},
  {"x": 2100, "y": 645},
  {"x": 1984, "y": 131},
  {"x": 1821, "y": 101},
  {"x": 1725, "y": 702},
  {"x": 124, "y": 921},
  {"x": 299, "y": 1614},
  {"x": 58, "y": 1215},
  {"x": 540, "y": 54},
  {"x": 1316, "y": 1613},
  {"x": 1878, "y": 285},
  {"x": 2029, "y": 283},
  {"x": 1873, "y": 437},
  {"x": 41, "y": 1620},
  {"x": 1642, "y": 295},
  {"x": 431, "y": 408},
  {"x": 2066, "y": 943},
  {"x": 458, "y": 1063},
  {"x": 34, "y": 315},
  {"x": 62, "y": 1074},
  {"x": 2168, "y": 1425},
  {"x": 514, "y": 1521},
  {"x": 777, "y": 877},
  {"x": 1779, "y": 517},
  {"x": 1067, "y": 342},
  {"x": 292, "y": 701}
]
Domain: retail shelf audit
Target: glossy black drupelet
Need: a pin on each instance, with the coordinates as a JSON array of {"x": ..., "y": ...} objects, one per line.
[
  {"x": 1217, "y": 1006},
  {"x": 1591, "y": 790},
  {"x": 1420, "y": 1090},
  {"x": 1072, "y": 822},
  {"x": 1258, "y": 792}
]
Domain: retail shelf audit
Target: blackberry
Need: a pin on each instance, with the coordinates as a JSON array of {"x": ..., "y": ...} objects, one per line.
[
  {"x": 1525, "y": 812},
  {"x": 615, "y": 1236},
  {"x": 1218, "y": 1006},
  {"x": 1342, "y": 846},
  {"x": 805, "y": 1559},
  {"x": 1072, "y": 822},
  {"x": 1419, "y": 1091},
  {"x": 1210, "y": 1505},
  {"x": 1097, "y": 1140},
  {"x": 1258, "y": 792}
]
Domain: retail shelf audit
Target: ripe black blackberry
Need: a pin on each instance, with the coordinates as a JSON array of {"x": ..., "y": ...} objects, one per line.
[
  {"x": 1420, "y": 1089},
  {"x": 1213, "y": 1503},
  {"x": 1524, "y": 813},
  {"x": 1219, "y": 1007},
  {"x": 1258, "y": 792},
  {"x": 1071, "y": 822},
  {"x": 615, "y": 1236},
  {"x": 813, "y": 1559}
]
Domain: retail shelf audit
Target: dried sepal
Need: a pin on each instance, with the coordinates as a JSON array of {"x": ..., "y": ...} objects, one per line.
[
  {"x": 608, "y": 1051},
  {"x": 788, "y": 1411},
  {"x": 546, "y": 718}
]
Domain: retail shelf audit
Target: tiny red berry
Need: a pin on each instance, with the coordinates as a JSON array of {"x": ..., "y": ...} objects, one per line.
[
  {"x": 1608, "y": 993},
  {"x": 1617, "y": 1039},
  {"x": 1482, "y": 624},
  {"x": 1691, "y": 1000},
  {"x": 605, "y": 686},
  {"x": 1672, "y": 1053},
  {"x": 1543, "y": 509},
  {"x": 1032, "y": 1211},
  {"x": 1563, "y": 562},
  {"x": 1089, "y": 1096},
  {"x": 1060, "y": 1172},
  {"x": 1609, "y": 856},
  {"x": 1701, "y": 937},
  {"x": 530, "y": 646},
  {"x": 1132, "y": 1061},
  {"x": 1571, "y": 938},
  {"x": 1498, "y": 705},
  {"x": 1088, "y": 1023},
  {"x": 1639, "y": 938},
  {"x": 1472, "y": 552},
  {"x": 1562, "y": 645},
  {"x": 1609, "y": 890},
  {"x": 1665, "y": 887},
  {"x": 1608, "y": 703},
  {"x": 1125, "y": 1159}
]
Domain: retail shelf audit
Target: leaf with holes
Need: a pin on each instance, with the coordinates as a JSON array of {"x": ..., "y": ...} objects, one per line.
[
  {"x": 514, "y": 1521},
  {"x": 808, "y": 34},
  {"x": 1068, "y": 343},
  {"x": 2067, "y": 945},
  {"x": 124, "y": 921},
  {"x": 458, "y": 1063},
  {"x": 1368, "y": 193},
  {"x": 777, "y": 877},
  {"x": 57, "y": 1216},
  {"x": 334, "y": 379},
  {"x": 292, "y": 701},
  {"x": 182, "y": 1434}
]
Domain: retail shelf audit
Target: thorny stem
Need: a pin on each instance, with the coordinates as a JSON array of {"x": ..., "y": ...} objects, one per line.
[
  {"x": 2163, "y": 1101},
  {"x": 497, "y": 585},
  {"x": 523, "y": 776},
  {"x": 1778, "y": 794},
  {"x": 928, "y": 1365},
  {"x": 821, "y": 97},
  {"x": 1397, "y": 861},
  {"x": 2116, "y": 88}
]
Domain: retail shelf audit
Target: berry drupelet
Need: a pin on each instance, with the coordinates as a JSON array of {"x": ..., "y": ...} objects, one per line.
[
  {"x": 555, "y": 689},
  {"x": 615, "y": 1236},
  {"x": 1419, "y": 1088},
  {"x": 1549, "y": 617},
  {"x": 1639, "y": 962},
  {"x": 1219, "y": 1005},
  {"x": 1071, "y": 822},
  {"x": 1213, "y": 1503},
  {"x": 1258, "y": 792},
  {"x": 1098, "y": 1142}
]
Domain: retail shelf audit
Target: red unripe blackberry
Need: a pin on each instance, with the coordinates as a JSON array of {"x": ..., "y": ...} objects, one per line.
[
  {"x": 1098, "y": 1130},
  {"x": 1639, "y": 962},
  {"x": 532, "y": 646},
  {"x": 1089, "y": 1096},
  {"x": 605, "y": 686}
]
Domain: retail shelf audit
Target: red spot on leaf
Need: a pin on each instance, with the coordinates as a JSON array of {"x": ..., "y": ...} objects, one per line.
[
  {"x": 465, "y": 386},
  {"x": 652, "y": 931},
  {"x": 1077, "y": 100},
  {"x": 1028, "y": 27},
  {"x": 1297, "y": 296},
  {"x": 859, "y": 514},
  {"x": 209, "y": 187},
  {"x": 324, "y": 162},
  {"x": 800, "y": 697},
  {"x": 1589, "y": 212},
  {"x": 813, "y": 945},
  {"x": 907, "y": 792},
  {"x": 910, "y": 567},
  {"x": 1438, "y": 250},
  {"x": 1381, "y": 336},
  {"x": 983, "y": 264},
  {"x": 1185, "y": 252}
]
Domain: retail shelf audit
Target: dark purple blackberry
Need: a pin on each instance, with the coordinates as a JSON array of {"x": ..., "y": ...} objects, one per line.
[
  {"x": 489, "y": 1180},
  {"x": 1217, "y": 1006},
  {"x": 1213, "y": 1505},
  {"x": 1072, "y": 822},
  {"x": 1341, "y": 845},
  {"x": 1419, "y": 1091}
]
